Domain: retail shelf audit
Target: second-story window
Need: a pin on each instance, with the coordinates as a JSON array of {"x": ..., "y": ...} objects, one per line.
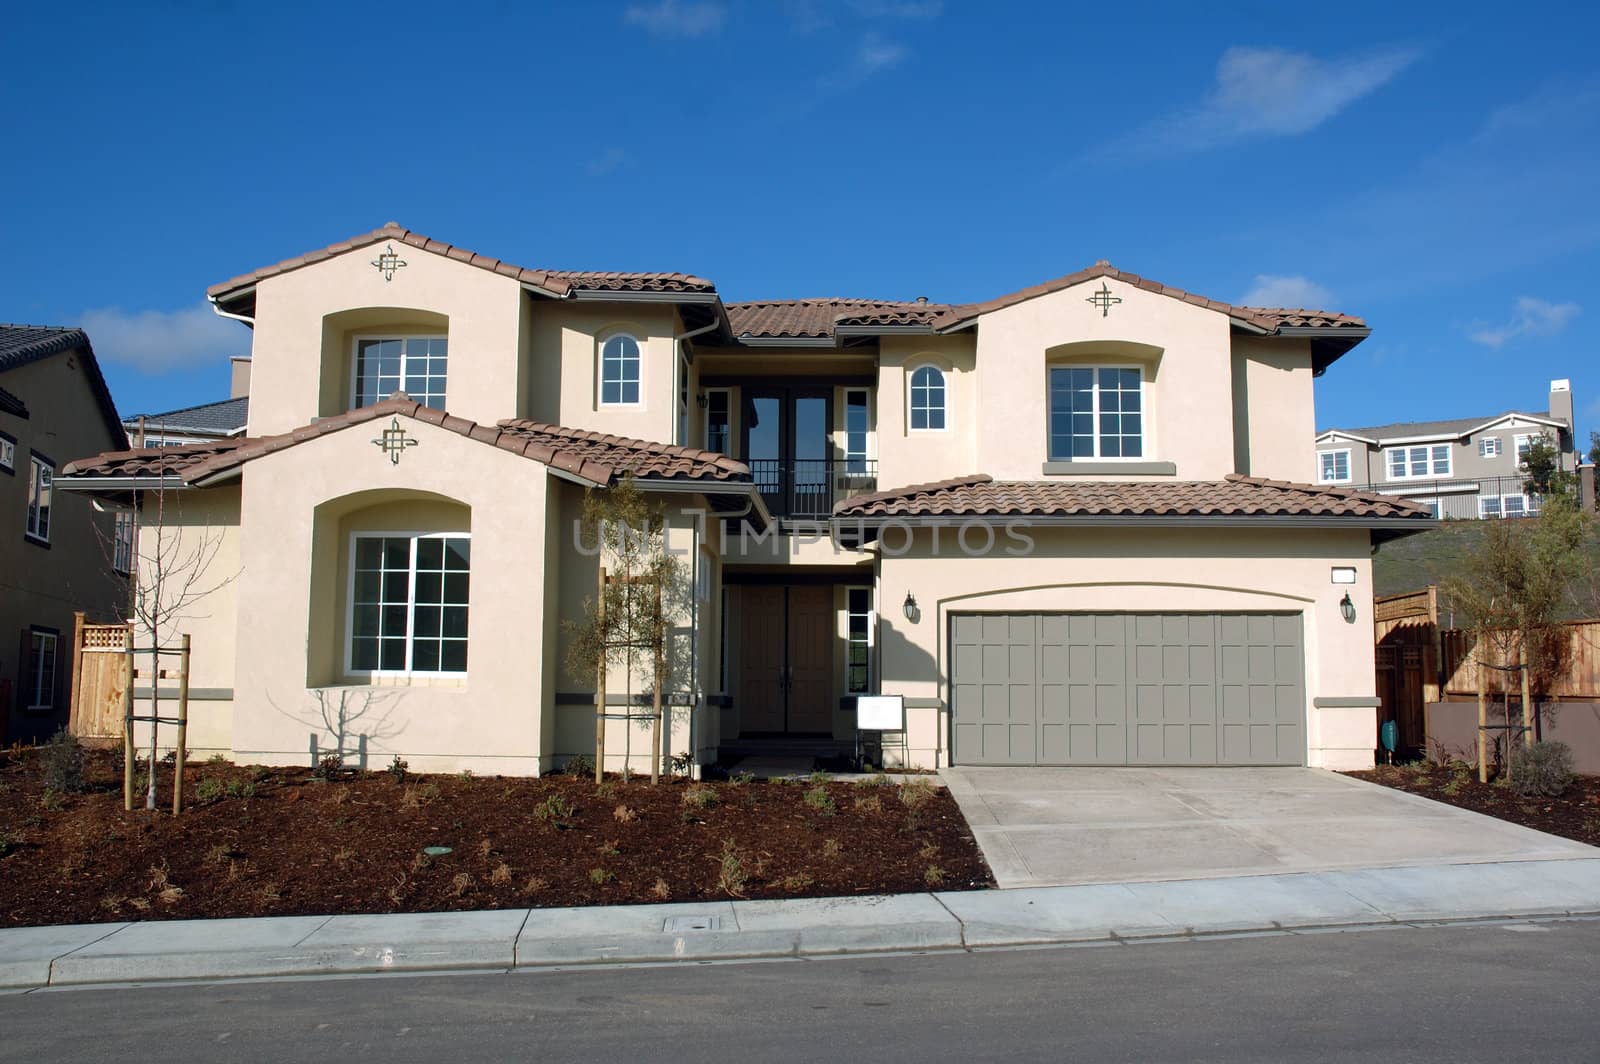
[
  {"x": 855, "y": 430},
  {"x": 122, "y": 543},
  {"x": 719, "y": 427},
  {"x": 41, "y": 480},
  {"x": 1489, "y": 447},
  {"x": 927, "y": 398},
  {"x": 416, "y": 365},
  {"x": 619, "y": 371},
  {"x": 1525, "y": 442},
  {"x": 1096, "y": 412},
  {"x": 1411, "y": 463},
  {"x": 1334, "y": 466},
  {"x": 8, "y": 454}
]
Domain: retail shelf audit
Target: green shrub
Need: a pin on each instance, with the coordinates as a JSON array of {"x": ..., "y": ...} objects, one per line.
[
  {"x": 819, "y": 799},
  {"x": 63, "y": 764},
  {"x": 699, "y": 797},
  {"x": 241, "y": 789},
  {"x": 398, "y": 768},
  {"x": 209, "y": 790},
  {"x": 555, "y": 807},
  {"x": 1541, "y": 770},
  {"x": 580, "y": 765}
]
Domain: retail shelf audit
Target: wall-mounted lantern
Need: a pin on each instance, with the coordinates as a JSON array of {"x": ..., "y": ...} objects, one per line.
[
  {"x": 1347, "y": 609},
  {"x": 912, "y": 612}
]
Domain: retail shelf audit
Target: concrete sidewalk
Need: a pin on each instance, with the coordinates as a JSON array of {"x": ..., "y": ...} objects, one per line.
[{"x": 504, "y": 940}]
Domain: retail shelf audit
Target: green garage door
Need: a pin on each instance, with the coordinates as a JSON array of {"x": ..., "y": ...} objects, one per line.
[{"x": 1127, "y": 689}]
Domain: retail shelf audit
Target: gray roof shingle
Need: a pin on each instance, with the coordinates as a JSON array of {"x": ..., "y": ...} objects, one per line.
[
  {"x": 1457, "y": 426},
  {"x": 224, "y": 418}
]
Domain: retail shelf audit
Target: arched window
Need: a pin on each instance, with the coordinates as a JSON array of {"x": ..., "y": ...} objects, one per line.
[
  {"x": 927, "y": 398},
  {"x": 619, "y": 370}
]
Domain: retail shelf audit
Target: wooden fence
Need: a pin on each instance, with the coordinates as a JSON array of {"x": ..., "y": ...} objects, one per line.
[
  {"x": 1578, "y": 680},
  {"x": 99, "y": 678},
  {"x": 1405, "y": 630}
]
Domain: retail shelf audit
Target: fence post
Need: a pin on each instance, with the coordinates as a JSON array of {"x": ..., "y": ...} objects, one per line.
[
  {"x": 77, "y": 671},
  {"x": 600, "y": 686},
  {"x": 127, "y": 722},
  {"x": 1483, "y": 715},
  {"x": 183, "y": 726}
]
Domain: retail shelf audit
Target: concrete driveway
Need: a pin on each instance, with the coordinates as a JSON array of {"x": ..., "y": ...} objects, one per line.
[{"x": 1062, "y": 826}]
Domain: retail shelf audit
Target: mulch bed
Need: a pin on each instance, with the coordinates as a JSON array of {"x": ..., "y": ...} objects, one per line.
[
  {"x": 278, "y": 842},
  {"x": 1574, "y": 815}
]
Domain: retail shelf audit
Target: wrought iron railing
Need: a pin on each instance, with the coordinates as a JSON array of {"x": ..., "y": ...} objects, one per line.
[
  {"x": 1460, "y": 498},
  {"x": 807, "y": 489}
]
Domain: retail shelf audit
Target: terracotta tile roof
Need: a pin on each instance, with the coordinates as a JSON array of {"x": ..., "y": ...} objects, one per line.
[
  {"x": 591, "y": 456},
  {"x": 817, "y": 318},
  {"x": 555, "y": 282},
  {"x": 1235, "y": 496},
  {"x": 1270, "y": 319}
]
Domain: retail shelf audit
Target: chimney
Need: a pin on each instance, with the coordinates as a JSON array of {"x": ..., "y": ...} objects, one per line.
[
  {"x": 241, "y": 377},
  {"x": 1561, "y": 410}
]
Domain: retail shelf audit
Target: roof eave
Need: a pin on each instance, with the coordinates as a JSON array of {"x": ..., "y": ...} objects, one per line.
[
  {"x": 786, "y": 341},
  {"x": 1419, "y": 524},
  {"x": 90, "y": 485}
]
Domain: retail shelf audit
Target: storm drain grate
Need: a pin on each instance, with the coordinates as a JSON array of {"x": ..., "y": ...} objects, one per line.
[{"x": 703, "y": 922}]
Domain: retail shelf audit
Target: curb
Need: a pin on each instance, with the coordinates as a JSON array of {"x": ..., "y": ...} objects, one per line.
[{"x": 511, "y": 939}]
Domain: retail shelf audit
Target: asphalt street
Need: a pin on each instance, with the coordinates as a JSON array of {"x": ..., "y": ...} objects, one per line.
[{"x": 1502, "y": 992}]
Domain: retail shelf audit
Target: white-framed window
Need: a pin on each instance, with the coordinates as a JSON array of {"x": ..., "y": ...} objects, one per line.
[
  {"x": 619, "y": 371},
  {"x": 858, "y": 630},
  {"x": 1515, "y": 505},
  {"x": 1488, "y": 506},
  {"x": 1333, "y": 467},
  {"x": 41, "y": 478},
  {"x": 416, "y": 365},
  {"x": 857, "y": 425},
  {"x": 1418, "y": 463},
  {"x": 408, "y": 603},
  {"x": 719, "y": 420},
  {"x": 122, "y": 542},
  {"x": 8, "y": 454},
  {"x": 1096, "y": 412},
  {"x": 702, "y": 577},
  {"x": 39, "y": 683},
  {"x": 1525, "y": 442},
  {"x": 1489, "y": 447},
  {"x": 928, "y": 410}
]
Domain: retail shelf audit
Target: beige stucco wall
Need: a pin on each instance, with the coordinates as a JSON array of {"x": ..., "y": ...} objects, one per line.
[
  {"x": 1123, "y": 569},
  {"x": 1274, "y": 409},
  {"x": 575, "y": 334},
  {"x": 300, "y": 368},
  {"x": 1189, "y": 395},
  {"x": 916, "y": 456},
  {"x": 298, "y": 507},
  {"x": 44, "y": 585}
]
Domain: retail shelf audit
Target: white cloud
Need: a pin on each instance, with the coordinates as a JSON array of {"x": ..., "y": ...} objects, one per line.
[
  {"x": 1266, "y": 92},
  {"x": 872, "y": 55},
  {"x": 1287, "y": 291},
  {"x": 156, "y": 341},
  {"x": 1531, "y": 317},
  {"x": 676, "y": 18}
]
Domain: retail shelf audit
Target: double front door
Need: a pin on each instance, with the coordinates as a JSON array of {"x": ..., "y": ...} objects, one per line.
[{"x": 786, "y": 669}]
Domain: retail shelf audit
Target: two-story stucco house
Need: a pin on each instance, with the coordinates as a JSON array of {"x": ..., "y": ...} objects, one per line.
[
  {"x": 1459, "y": 468},
  {"x": 58, "y": 553},
  {"x": 1071, "y": 525}
]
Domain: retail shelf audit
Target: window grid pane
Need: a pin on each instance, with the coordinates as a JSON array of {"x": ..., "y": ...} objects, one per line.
[
  {"x": 409, "y": 604},
  {"x": 718, "y": 425},
  {"x": 619, "y": 370},
  {"x": 855, "y": 431},
  {"x": 416, "y": 365},
  {"x": 858, "y": 667},
  {"x": 927, "y": 399},
  {"x": 1096, "y": 413}
]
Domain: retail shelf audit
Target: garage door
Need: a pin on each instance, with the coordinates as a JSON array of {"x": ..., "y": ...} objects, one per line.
[{"x": 1127, "y": 689}]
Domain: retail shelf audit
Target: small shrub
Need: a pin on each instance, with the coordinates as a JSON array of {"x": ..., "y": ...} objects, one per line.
[
  {"x": 63, "y": 764},
  {"x": 600, "y": 876},
  {"x": 246, "y": 789},
  {"x": 270, "y": 892},
  {"x": 534, "y": 885},
  {"x": 661, "y": 889},
  {"x": 868, "y": 803},
  {"x": 331, "y": 767},
  {"x": 159, "y": 877},
  {"x": 501, "y": 876},
  {"x": 699, "y": 796},
  {"x": 605, "y": 789},
  {"x": 623, "y": 815},
  {"x": 798, "y": 882},
  {"x": 553, "y": 809},
  {"x": 879, "y": 779},
  {"x": 460, "y": 884},
  {"x": 731, "y": 875},
  {"x": 739, "y": 779},
  {"x": 929, "y": 851},
  {"x": 817, "y": 779},
  {"x": 1541, "y": 770},
  {"x": 580, "y": 765},
  {"x": 831, "y": 848},
  {"x": 398, "y": 769},
  {"x": 819, "y": 799},
  {"x": 933, "y": 876},
  {"x": 915, "y": 794},
  {"x": 217, "y": 759},
  {"x": 53, "y": 800},
  {"x": 609, "y": 848},
  {"x": 170, "y": 895},
  {"x": 209, "y": 790},
  {"x": 682, "y": 764},
  {"x": 485, "y": 848}
]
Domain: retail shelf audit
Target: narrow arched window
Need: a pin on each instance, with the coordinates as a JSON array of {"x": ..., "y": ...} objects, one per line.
[
  {"x": 619, "y": 370},
  {"x": 927, "y": 398}
]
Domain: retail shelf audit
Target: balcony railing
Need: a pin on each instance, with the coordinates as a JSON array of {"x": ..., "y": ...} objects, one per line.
[
  {"x": 1458, "y": 498},
  {"x": 807, "y": 489}
]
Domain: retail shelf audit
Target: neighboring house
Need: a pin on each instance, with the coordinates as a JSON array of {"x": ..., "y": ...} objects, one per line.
[
  {"x": 1460, "y": 468},
  {"x": 221, "y": 420},
  {"x": 1071, "y": 525},
  {"x": 58, "y": 552}
]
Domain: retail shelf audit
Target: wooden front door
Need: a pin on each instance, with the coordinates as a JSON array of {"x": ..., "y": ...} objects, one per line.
[{"x": 786, "y": 660}]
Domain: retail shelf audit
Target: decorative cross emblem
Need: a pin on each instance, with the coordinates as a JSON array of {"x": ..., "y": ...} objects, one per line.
[
  {"x": 388, "y": 262},
  {"x": 1104, "y": 300},
  {"x": 394, "y": 441}
]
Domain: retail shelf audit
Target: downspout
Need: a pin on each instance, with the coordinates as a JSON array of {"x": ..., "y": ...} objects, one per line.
[
  {"x": 216, "y": 308},
  {"x": 677, "y": 357}
]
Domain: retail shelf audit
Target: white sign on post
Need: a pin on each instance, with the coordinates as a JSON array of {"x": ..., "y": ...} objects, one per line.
[{"x": 881, "y": 713}]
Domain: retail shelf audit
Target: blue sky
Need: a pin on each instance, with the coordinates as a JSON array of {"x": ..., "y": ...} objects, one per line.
[{"x": 1430, "y": 167}]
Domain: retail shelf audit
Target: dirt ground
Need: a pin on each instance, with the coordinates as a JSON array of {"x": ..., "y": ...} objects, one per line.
[
  {"x": 1574, "y": 815},
  {"x": 258, "y": 841}
]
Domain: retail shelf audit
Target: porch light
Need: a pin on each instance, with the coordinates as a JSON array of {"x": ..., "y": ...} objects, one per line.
[
  {"x": 910, "y": 608},
  {"x": 1348, "y": 609}
]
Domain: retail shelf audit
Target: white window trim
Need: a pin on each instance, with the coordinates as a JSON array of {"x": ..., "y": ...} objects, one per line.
[
  {"x": 411, "y": 604},
  {"x": 119, "y": 520},
  {"x": 872, "y": 637},
  {"x": 871, "y": 442},
  {"x": 1146, "y": 429},
  {"x": 1524, "y": 439},
  {"x": 705, "y": 426},
  {"x": 1428, "y": 474},
  {"x": 1483, "y": 511},
  {"x": 355, "y": 360},
  {"x": 1349, "y": 468},
  {"x": 1484, "y": 444},
  {"x": 37, "y": 462},
  {"x": 600, "y": 370},
  {"x": 8, "y": 453},
  {"x": 33, "y": 678},
  {"x": 944, "y": 379}
]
